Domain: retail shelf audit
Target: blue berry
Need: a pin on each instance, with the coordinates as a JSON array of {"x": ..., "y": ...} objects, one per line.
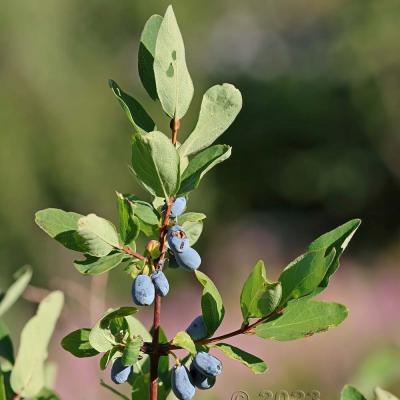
[
  {"x": 143, "y": 291},
  {"x": 160, "y": 282},
  {"x": 178, "y": 207},
  {"x": 200, "y": 380},
  {"x": 188, "y": 259},
  {"x": 207, "y": 364},
  {"x": 182, "y": 386},
  {"x": 197, "y": 330},
  {"x": 119, "y": 372},
  {"x": 177, "y": 240}
]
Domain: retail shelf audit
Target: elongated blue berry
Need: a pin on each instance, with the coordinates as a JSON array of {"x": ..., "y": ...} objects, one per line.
[
  {"x": 189, "y": 259},
  {"x": 201, "y": 381},
  {"x": 177, "y": 240},
  {"x": 207, "y": 364},
  {"x": 143, "y": 291},
  {"x": 182, "y": 386},
  {"x": 197, "y": 329},
  {"x": 160, "y": 282},
  {"x": 178, "y": 207},
  {"x": 119, "y": 372}
]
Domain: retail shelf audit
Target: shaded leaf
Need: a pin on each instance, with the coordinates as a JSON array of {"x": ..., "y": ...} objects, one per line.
[
  {"x": 211, "y": 303},
  {"x": 155, "y": 162},
  {"x": 303, "y": 275},
  {"x": 219, "y": 108},
  {"x": 129, "y": 224},
  {"x": 95, "y": 266},
  {"x": 173, "y": 82},
  {"x": 108, "y": 356},
  {"x": 256, "y": 365},
  {"x": 22, "y": 278},
  {"x": 136, "y": 114},
  {"x": 302, "y": 318},
  {"x": 77, "y": 343},
  {"x": 61, "y": 226},
  {"x": 200, "y": 164},
  {"x": 6, "y": 345},
  {"x": 259, "y": 297},
  {"x": 147, "y": 48},
  {"x": 27, "y": 377}
]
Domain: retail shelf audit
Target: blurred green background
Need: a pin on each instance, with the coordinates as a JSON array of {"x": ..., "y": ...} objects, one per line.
[{"x": 316, "y": 143}]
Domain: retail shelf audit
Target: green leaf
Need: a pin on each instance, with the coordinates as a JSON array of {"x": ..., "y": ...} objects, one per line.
[
  {"x": 102, "y": 336},
  {"x": 132, "y": 350},
  {"x": 110, "y": 355},
  {"x": 129, "y": 224},
  {"x": 193, "y": 231},
  {"x": 219, "y": 108},
  {"x": 136, "y": 114},
  {"x": 257, "y": 365},
  {"x": 100, "y": 235},
  {"x": 27, "y": 377},
  {"x": 146, "y": 54},
  {"x": 61, "y": 226},
  {"x": 77, "y": 343},
  {"x": 6, "y": 345},
  {"x": 191, "y": 217},
  {"x": 302, "y": 318},
  {"x": 22, "y": 278},
  {"x": 337, "y": 239},
  {"x": 211, "y": 303},
  {"x": 3, "y": 395},
  {"x": 381, "y": 394},
  {"x": 182, "y": 339},
  {"x": 351, "y": 393},
  {"x": 95, "y": 266},
  {"x": 118, "y": 313},
  {"x": 140, "y": 387},
  {"x": 136, "y": 328},
  {"x": 200, "y": 164},
  {"x": 173, "y": 82},
  {"x": 144, "y": 211},
  {"x": 47, "y": 394},
  {"x": 155, "y": 162},
  {"x": 259, "y": 297},
  {"x": 303, "y": 275}
]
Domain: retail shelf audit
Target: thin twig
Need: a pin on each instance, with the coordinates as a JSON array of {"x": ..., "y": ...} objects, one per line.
[
  {"x": 155, "y": 344},
  {"x": 132, "y": 253}
]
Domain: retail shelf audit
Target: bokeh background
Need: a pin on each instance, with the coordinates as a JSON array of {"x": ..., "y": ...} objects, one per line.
[{"x": 317, "y": 143}]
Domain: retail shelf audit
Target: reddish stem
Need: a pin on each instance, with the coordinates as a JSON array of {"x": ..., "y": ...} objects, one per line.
[{"x": 155, "y": 345}]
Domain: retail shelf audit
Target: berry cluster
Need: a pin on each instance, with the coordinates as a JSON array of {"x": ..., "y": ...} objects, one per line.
[
  {"x": 202, "y": 375},
  {"x": 145, "y": 287}
]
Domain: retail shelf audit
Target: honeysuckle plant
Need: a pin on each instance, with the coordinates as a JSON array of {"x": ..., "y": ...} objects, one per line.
[
  {"x": 25, "y": 374},
  {"x": 147, "y": 360}
]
